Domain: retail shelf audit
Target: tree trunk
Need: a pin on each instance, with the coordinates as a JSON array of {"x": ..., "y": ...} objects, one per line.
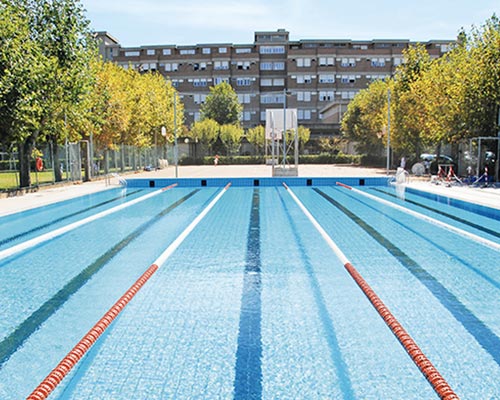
[
  {"x": 25, "y": 149},
  {"x": 55, "y": 157}
]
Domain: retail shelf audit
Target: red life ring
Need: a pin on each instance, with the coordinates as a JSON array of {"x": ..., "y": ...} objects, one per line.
[{"x": 39, "y": 164}]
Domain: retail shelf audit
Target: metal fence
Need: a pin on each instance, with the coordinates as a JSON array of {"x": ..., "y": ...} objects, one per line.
[{"x": 79, "y": 162}]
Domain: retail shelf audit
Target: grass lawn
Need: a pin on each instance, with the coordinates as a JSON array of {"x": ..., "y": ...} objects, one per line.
[{"x": 10, "y": 179}]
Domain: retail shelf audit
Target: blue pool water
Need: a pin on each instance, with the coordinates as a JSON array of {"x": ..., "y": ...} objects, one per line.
[{"x": 253, "y": 304}]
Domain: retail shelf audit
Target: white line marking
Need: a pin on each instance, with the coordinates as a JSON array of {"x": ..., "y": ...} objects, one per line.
[
  {"x": 461, "y": 232},
  {"x": 176, "y": 243},
  {"x": 60, "y": 231}
]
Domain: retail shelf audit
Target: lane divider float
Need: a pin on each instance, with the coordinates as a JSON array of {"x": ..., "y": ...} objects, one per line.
[
  {"x": 478, "y": 239},
  {"x": 52, "y": 380},
  {"x": 60, "y": 231},
  {"x": 438, "y": 383}
]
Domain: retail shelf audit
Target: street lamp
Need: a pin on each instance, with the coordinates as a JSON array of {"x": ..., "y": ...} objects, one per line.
[
  {"x": 388, "y": 130},
  {"x": 176, "y": 155}
]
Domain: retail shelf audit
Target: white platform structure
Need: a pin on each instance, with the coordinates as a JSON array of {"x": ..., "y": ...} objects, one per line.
[{"x": 278, "y": 122}]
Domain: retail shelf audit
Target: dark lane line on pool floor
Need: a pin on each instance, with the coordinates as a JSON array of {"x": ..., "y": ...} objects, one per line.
[
  {"x": 248, "y": 370},
  {"x": 10, "y": 344},
  {"x": 324, "y": 315},
  {"x": 483, "y": 335},
  {"x": 55, "y": 221},
  {"x": 434, "y": 243},
  {"x": 445, "y": 214}
]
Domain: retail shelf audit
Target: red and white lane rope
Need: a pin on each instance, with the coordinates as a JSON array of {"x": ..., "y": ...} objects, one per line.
[
  {"x": 439, "y": 384},
  {"x": 60, "y": 231},
  {"x": 75, "y": 355}
]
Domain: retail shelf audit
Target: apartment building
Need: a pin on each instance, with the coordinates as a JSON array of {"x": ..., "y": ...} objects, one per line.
[{"x": 317, "y": 77}]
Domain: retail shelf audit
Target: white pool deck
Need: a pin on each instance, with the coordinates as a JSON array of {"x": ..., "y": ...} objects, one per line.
[{"x": 484, "y": 196}]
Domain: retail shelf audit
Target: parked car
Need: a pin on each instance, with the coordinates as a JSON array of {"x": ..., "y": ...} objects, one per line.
[{"x": 431, "y": 161}]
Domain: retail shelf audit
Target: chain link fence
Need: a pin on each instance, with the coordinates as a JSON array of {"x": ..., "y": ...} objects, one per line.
[{"x": 78, "y": 162}]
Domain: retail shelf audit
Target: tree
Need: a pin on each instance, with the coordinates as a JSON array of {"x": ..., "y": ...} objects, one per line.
[
  {"x": 407, "y": 111},
  {"x": 365, "y": 121},
  {"x": 57, "y": 48},
  {"x": 257, "y": 137},
  {"x": 231, "y": 135},
  {"x": 22, "y": 67},
  {"x": 222, "y": 105},
  {"x": 205, "y": 131}
]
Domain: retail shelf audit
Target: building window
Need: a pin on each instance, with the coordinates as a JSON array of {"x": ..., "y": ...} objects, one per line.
[
  {"x": 199, "y": 98},
  {"x": 304, "y": 79},
  {"x": 167, "y": 52},
  {"x": 218, "y": 65},
  {"x": 185, "y": 52},
  {"x": 199, "y": 82},
  {"x": 326, "y": 61},
  {"x": 132, "y": 53},
  {"x": 272, "y": 98},
  {"x": 206, "y": 50},
  {"x": 303, "y": 114},
  {"x": 243, "y": 65},
  {"x": 279, "y": 66},
  {"x": 220, "y": 79},
  {"x": 246, "y": 116},
  {"x": 150, "y": 52},
  {"x": 272, "y": 50},
  {"x": 266, "y": 66},
  {"x": 243, "y": 81},
  {"x": 222, "y": 50},
  {"x": 278, "y": 82},
  {"x": 243, "y": 50},
  {"x": 171, "y": 67},
  {"x": 326, "y": 79},
  {"x": 197, "y": 116},
  {"x": 200, "y": 66},
  {"x": 303, "y": 62},
  {"x": 348, "y": 62},
  {"x": 326, "y": 96},
  {"x": 304, "y": 96},
  {"x": 348, "y": 95},
  {"x": 262, "y": 115},
  {"x": 378, "y": 62},
  {"x": 266, "y": 82},
  {"x": 244, "y": 98}
]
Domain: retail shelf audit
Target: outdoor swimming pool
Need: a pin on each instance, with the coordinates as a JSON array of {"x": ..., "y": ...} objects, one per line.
[{"x": 251, "y": 302}]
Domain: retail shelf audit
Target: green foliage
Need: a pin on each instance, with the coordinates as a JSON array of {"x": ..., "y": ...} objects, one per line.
[
  {"x": 433, "y": 101},
  {"x": 257, "y": 136},
  {"x": 365, "y": 121},
  {"x": 222, "y": 105},
  {"x": 205, "y": 131},
  {"x": 231, "y": 136}
]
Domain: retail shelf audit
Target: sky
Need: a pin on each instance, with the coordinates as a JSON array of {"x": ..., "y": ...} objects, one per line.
[{"x": 189, "y": 22}]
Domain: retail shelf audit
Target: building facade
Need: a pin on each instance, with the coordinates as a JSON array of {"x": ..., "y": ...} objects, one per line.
[{"x": 317, "y": 77}]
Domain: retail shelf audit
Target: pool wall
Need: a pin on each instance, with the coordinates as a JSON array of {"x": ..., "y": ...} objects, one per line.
[{"x": 219, "y": 182}]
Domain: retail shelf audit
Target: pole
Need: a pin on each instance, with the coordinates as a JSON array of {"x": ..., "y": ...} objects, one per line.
[
  {"x": 296, "y": 152},
  {"x": 388, "y": 129},
  {"x": 497, "y": 161},
  {"x": 479, "y": 158},
  {"x": 175, "y": 137},
  {"x": 284, "y": 128}
]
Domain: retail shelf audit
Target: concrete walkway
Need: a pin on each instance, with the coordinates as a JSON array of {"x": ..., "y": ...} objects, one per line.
[{"x": 488, "y": 196}]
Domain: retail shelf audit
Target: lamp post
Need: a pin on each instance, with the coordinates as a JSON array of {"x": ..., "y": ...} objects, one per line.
[
  {"x": 164, "y": 134},
  {"x": 284, "y": 128},
  {"x": 388, "y": 129},
  {"x": 176, "y": 154}
]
